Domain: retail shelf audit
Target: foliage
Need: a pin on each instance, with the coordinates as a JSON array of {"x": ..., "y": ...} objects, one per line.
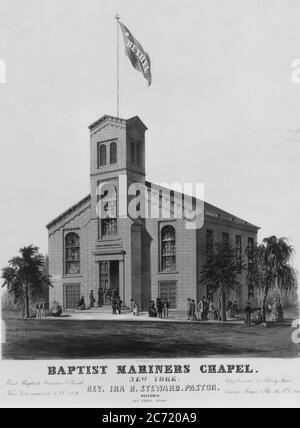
[
  {"x": 271, "y": 268},
  {"x": 222, "y": 270},
  {"x": 25, "y": 277}
]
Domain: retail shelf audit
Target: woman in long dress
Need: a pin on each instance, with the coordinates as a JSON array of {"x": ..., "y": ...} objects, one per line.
[
  {"x": 211, "y": 311},
  {"x": 276, "y": 311},
  {"x": 152, "y": 310}
]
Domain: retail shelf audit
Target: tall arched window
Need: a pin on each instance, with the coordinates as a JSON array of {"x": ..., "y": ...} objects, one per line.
[
  {"x": 109, "y": 212},
  {"x": 168, "y": 248},
  {"x": 102, "y": 155},
  {"x": 72, "y": 253},
  {"x": 113, "y": 152}
]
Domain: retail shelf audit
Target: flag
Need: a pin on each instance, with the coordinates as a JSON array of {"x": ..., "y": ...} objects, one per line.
[{"x": 135, "y": 52}]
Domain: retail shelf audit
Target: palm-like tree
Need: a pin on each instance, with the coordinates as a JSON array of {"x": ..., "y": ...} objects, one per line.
[
  {"x": 222, "y": 270},
  {"x": 25, "y": 274},
  {"x": 271, "y": 267}
]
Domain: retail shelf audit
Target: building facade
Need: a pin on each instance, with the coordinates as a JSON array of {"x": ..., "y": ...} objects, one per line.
[{"x": 95, "y": 245}]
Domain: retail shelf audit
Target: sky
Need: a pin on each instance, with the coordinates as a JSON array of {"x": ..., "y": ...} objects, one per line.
[{"x": 222, "y": 108}]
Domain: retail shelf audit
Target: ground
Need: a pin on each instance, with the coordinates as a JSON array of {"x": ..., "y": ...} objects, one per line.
[{"x": 128, "y": 338}]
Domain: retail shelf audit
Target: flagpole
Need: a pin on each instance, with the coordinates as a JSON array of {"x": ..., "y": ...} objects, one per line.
[{"x": 118, "y": 70}]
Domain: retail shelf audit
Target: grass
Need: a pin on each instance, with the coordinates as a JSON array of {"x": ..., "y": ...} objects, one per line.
[{"x": 76, "y": 339}]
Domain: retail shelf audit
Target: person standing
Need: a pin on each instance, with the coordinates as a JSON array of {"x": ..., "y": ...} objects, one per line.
[
  {"x": 38, "y": 307},
  {"x": 248, "y": 312},
  {"x": 43, "y": 309},
  {"x": 206, "y": 307},
  {"x": 188, "y": 309},
  {"x": 203, "y": 308},
  {"x": 277, "y": 311},
  {"x": 211, "y": 311},
  {"x": 119, "y": 305},
  {"x": 92, "y": 299},
  {"x": 166, "y": 306},
  {"x": 57, "y": 309},
  {"x": 81, "y": 304},
  {"x": 198, "y": 310},
  {"x": 193, "y": 310},
  {"x": 152, "y": 310},
  {"x": 114, "y": 305},
  {"x": 281, "y": 314},
  {"x": 135, "y": 309},
  {"x": 159, "y": 307}
]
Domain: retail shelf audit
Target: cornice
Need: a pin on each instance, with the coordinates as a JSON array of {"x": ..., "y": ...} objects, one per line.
[
  {"x": 63, "y": 225},
  {"x": 231, "y": 223}
]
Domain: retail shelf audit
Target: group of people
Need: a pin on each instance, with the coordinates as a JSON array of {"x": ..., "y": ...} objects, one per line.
[
  {"x": 41, "y": 309},
  {"x": 116, "y": 304},
  {"x": 276, "y": 313},
  {"x": 258, "y": 318},
  {"x": 82, "y": 305},
  {"x": 203, "y": 311},
  {"x": 206, "y": 311},
  {"x": 160, "y": 309}
]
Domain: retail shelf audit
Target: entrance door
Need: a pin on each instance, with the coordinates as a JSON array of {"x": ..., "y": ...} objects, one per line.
[{"x": 108, "y": 282}]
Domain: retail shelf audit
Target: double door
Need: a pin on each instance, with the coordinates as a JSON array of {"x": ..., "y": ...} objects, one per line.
[{"x": 108, "y": 282}]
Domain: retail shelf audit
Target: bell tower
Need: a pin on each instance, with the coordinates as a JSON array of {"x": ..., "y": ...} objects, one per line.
[
  {"x": 117, "y": 147},
  {"x": 117, "y": 160}
]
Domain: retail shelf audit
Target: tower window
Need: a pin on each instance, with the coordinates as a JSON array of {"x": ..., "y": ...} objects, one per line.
[
  {"x": 168, "y": 248},
  {"x": 132, "y": 152},
  {"x": 72, "y": 253},
  {"x": 136, "y": 153},
  {"x": 109, "y": 213},
  {"x": 113, "y": 153},
  {"x": 102, "y": 155}
]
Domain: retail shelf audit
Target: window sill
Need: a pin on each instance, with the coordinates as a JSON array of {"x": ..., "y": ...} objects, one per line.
[
  {"x": 168, "y": 272},
  {"x": 77, "y": 275},
  {"x": 108, "y": 238}
]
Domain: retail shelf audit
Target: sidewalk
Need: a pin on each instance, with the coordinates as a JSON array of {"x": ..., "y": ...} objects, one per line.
[{"x": 99, "y": 314}]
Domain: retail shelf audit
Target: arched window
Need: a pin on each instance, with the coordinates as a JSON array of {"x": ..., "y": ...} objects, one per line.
[
  {"x": 72, "y": 253},
  {"x": 168, "y": 248},
  {"x": 113, "y": 152},
  {"x": 102, "y": 155}
]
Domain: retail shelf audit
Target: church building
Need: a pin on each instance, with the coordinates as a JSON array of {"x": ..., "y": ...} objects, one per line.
[{"x": 135, "y": 258}]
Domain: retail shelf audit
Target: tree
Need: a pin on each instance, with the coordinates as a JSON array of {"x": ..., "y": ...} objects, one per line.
[
  {"x": 222, "y": 270},
  {"x": 271, "y": 268},
  {"x": 25, "y": 276}
]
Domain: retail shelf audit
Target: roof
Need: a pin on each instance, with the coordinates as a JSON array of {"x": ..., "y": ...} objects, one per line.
[
  {"x": 211, "y": 212},
  {"x": 117, "y": 119},
  {"x": 215, "y": 212},
  {"x": 69, "y": 211}
]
